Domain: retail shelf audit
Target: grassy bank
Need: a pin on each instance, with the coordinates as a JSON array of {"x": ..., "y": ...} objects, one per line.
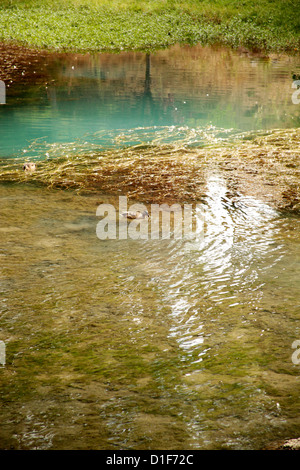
[{"x": 97, "y": 25}]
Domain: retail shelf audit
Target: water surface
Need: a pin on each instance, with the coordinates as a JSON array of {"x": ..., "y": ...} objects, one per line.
[
  {"x": 133, "y": 344},
  {"x": 93, "y": 98},
  {"x": 147, "y": 344}
]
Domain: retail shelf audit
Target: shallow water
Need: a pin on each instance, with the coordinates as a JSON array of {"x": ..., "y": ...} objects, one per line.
[
  {"x": 150, "y": 344},
  {"x": 144, "y": 344}
]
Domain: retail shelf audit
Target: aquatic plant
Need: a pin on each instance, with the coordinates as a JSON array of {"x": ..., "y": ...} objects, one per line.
[{"x": 264, "y": 164}]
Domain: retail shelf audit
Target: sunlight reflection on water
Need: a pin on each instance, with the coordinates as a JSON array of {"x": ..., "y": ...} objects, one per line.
[
  {"x": 223, "y": 268},
  {"x": 134, "y": 327}
]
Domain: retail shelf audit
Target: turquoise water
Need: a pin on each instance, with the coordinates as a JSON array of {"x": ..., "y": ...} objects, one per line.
[{"x": 95, "y": 98}]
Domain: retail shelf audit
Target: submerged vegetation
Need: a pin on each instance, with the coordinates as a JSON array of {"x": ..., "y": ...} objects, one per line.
[
  {"x": 266, "y": 166},
  {"x": 97, "y": 25},
  {"x": 120, "y": 346}
]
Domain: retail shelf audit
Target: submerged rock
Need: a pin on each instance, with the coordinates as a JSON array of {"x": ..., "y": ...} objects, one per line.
[{"x": 289, "y": 444}]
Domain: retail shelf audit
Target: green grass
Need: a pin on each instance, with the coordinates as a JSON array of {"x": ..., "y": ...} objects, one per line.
[{"x": 97, "y": 25}]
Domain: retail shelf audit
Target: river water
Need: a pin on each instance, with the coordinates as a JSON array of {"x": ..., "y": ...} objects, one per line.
[{"x": 147, "y": 343}]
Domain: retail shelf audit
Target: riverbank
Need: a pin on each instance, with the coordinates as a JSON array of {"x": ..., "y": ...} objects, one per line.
[{"x": 97, "y": 25}]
